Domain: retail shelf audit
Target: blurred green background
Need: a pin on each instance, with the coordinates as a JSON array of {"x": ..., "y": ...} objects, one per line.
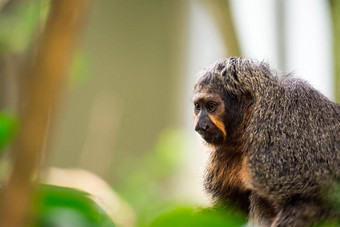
[{"x": 124, "y": 134}]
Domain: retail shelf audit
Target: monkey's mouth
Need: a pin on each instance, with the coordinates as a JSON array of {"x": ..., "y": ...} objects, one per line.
[{"x": 212, "y": 138}]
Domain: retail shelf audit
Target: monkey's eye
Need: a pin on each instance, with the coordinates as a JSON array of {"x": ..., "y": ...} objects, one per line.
[
  {"x": 211, "y": 106},
  {"x": 197, "y": 106}
]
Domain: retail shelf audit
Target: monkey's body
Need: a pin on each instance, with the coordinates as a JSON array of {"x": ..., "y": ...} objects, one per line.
[{"x": 279, "y": 156}]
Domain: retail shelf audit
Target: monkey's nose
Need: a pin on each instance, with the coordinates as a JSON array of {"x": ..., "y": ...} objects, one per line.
[{"x": 202, "y": 128}]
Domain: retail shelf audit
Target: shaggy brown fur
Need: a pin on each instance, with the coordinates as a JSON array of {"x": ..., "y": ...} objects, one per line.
[{"x": 280, "y": 157}]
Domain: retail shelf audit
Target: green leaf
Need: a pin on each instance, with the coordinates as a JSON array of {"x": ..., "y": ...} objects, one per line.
[
  {"x": 8, "y": 126},
  {"x": 186, "y": 217},
  {"x": 61, "y": 206}
]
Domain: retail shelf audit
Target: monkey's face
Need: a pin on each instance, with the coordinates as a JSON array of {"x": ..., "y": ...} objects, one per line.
[{"x": 208, "y": 113}]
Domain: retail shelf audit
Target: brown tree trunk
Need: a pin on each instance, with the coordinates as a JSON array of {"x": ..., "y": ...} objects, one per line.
[
  {"x": 221, "y": 13},
  {"x": 45, "y": 75}
]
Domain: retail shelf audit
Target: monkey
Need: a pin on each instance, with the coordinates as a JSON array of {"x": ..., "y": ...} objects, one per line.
[{"x": 274, "y": 143}]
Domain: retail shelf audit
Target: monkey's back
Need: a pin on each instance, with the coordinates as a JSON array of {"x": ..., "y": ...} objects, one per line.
[{"x": 294, "y": 142}]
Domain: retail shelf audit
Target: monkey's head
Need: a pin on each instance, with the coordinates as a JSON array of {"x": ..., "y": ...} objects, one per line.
[
  {"x": 209, "y": 111},
  {"x": 223, "y": 97}
]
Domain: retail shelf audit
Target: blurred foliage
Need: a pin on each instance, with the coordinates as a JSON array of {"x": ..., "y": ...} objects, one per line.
[
  {"x": 19, "y": 23},
  {"x": 207, "y": 217},
  {"x": 145, "y": 188},
  {"x": 59, "y": 206},
  {"x": 53, "y": 206},
  {"x": 328, "y": 223},
  {"x": 81, "y": 69},
  {"x": 8, "y": 127}
]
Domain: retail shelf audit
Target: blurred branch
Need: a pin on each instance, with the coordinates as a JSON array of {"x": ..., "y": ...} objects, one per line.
[
  {"x": 6, "y": 5},
  {"x": 221, "y": 13},
  {"x": 3, "y": 4},
  {"x": 46, "y": 75},
  {"x": 335, "y": 10}
]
